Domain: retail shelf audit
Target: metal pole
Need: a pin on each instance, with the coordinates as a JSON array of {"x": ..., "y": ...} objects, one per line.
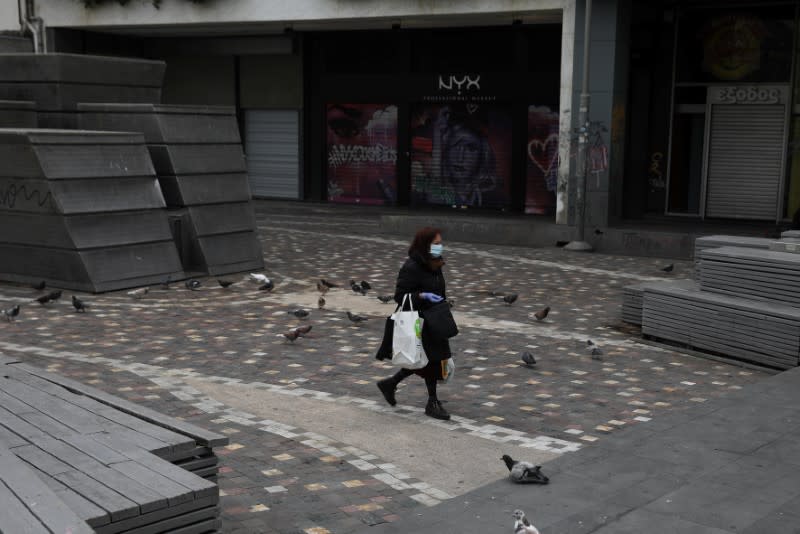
[{"x": 579, "y": 243}]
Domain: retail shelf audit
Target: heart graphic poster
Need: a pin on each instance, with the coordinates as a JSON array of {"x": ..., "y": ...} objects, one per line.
[
  {"x": 461, "y": 155},
  {"x": 542, "y": 161}
]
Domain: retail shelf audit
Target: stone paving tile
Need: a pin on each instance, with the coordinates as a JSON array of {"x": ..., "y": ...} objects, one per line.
[{"x": 235, "y": 333}]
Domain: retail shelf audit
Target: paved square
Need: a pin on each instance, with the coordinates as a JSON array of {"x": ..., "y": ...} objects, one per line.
[{"x": 313, "y": 446}]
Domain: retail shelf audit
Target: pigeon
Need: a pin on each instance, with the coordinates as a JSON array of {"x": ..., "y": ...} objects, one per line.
[
  {"x": 44, "y": 299},
  {"x": 386, "y": 299},
  {"x": 669, "y": 268},
  {"x": 527, "y": 357},
  {"x": 11, "y": 313},
  {"x": 167, "y": 281},
  {"x": 365, "y": 285},
  {"x": 357, "y": 288},
  {"x": 524, "y": 472},
  {"x": 321, "y": 302},
  {"x": 595, "y": 351},
  {"x": 356, "y": 318},
  {"x": 259, "y": 278},
  {"x": 522, "y": 525},
  {"x": 269, "y": 285},
  {"x": 541, "y": 314},
  {"x": 41, "y": 285},
  {"x": 598, "y": 231},
  {"x": 322, "y": 288},
  {"x": 139, "y": 293},
  {"x": 54, "y": 296},
  {"x": 303, "y": 330},
  {"x": 225, "y": 283},
  {"x": 299, "y": 313},
  {"x": 510, "y": 299},
  {"x": 291, "y": 335},
  {"x": 192, "y": 284},
  {"x": 327, "y": 284},
  {"x": 78, "y": 304}
]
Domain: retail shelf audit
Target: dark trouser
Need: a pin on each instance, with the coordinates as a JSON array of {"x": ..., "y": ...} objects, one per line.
[{"x": 430, "y": 382}]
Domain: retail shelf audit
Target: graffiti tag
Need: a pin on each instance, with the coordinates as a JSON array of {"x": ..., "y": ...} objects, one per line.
[{"x": 344, "y": 154}]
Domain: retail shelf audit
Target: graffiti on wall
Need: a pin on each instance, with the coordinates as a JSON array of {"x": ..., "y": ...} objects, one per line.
[
  {"x": 362, "y": 153},
  {"x": 597, "y": 157}
]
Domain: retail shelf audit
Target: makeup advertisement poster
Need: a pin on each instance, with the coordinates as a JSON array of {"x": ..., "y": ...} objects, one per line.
[{"x": 461, "y": 154}]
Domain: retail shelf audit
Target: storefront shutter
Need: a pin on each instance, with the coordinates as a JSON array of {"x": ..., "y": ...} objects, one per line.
[
  {"x": 745, "y": 161},
  {"x": 272, "y": 146}
]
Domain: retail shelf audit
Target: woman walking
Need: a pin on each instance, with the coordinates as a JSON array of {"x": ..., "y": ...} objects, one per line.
[{"x": 421, "y": 277}]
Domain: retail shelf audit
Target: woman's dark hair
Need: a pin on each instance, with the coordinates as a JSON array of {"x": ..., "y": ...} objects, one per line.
[{"x": 421, "y": 244}]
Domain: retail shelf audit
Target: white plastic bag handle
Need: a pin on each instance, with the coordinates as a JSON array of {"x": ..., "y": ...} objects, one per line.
[{"x": 410, "y": 303}]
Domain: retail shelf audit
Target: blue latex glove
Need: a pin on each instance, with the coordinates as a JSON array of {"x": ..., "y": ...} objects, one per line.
[{"x": 431, "y": 297}]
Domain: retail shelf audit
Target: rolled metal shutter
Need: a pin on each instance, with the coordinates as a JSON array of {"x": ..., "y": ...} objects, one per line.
[
  {"x": 745, "y": 161},
  {"x": 273, "y": 153}
]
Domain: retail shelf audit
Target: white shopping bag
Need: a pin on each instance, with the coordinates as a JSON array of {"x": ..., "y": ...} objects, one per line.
[{"x": 407, "y": 348}]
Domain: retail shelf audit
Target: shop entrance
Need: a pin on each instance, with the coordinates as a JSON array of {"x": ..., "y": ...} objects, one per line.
[{"x": 745, "y": 151}]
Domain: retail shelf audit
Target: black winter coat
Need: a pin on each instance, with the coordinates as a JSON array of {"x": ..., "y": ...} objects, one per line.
[{"x": 416, "y": 277}]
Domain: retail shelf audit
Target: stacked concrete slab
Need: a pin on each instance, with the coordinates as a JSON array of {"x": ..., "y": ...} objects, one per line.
[
  {"x": 198, "y": 157},
  {"x": 82, "y": 210},
  {"x": 744, "y": 305},
  {"x": 759, "y": 332},
  {"x": 632, "y": 304},
  {"x": 76, "y": 459},
  {"x": 58, "y": 82},
  {"x": 716, "y": 241},
  {"x": 757, "y": 274},
  {"x": 17, "y": 114}
]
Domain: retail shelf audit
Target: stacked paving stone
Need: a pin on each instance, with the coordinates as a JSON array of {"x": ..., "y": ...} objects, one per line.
[
  {"x": 75, "y": 459},
  {"x": 58, "y": 82},
  {"x": 744, "y": 307},
  {"x": 82, "y": 210},
  {"x": 198, "y": 157}
]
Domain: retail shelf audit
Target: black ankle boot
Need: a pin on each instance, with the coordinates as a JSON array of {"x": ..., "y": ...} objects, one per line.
[
  {"x": 436, "y": 410},
  {"x": 388, "y": 386}
]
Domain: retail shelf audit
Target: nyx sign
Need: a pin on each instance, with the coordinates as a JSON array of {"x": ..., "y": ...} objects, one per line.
[{"x": 460, "y": 82}]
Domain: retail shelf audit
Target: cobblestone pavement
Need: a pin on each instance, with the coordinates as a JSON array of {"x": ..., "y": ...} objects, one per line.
[{"x": 289, "y": 478}]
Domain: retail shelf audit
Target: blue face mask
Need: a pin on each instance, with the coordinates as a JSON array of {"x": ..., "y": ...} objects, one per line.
[{"x": 436, "y": 250}]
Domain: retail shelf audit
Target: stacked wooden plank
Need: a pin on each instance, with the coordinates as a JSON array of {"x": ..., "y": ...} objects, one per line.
[
  {"x": 740, "y": 328},
  {"x": 755, "y": 274},
  {"x": 87, "y": 454},
  {"x": 82, "y": 210},
  {"x": 58, "y": 82},
  {"x": 197, "y": 155},
  {"x": 632, "y": 304}
]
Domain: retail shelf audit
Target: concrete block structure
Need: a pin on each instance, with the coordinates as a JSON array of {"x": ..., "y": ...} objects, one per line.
[
  {"x": 82, "y": 210},
  {"x": 197, "y": 155}
]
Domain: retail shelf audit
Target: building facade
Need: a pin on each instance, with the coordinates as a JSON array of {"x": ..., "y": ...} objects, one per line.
[
  {"x": 465, "y": 105},
  {"x": 713, "y": 111}
]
